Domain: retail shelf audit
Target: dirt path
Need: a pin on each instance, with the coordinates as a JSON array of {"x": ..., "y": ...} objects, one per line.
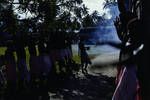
[{"x": 85, "y": 87}]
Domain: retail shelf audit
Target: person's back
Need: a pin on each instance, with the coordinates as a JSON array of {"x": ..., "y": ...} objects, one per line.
[
  {"x": 10, "y": 64},
  {"x": 32, "y": 47},
  {"x": 21, "y": 59},
  {"x": 19, "y": 46}
]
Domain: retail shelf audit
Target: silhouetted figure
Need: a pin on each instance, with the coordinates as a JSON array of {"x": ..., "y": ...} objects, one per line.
[
  {"x": 2, "y": 70},
  {"x": 56, "y": 46},
  {"x": 11, "y": 75},
  {"x": 127, "y": 82},
  {"x": 68, "y": 44},
  {"x": 24, "y": 76},
  {"x": 67, "y": 54},
  {"x": 33, "y": 60},
  {"x": 45, "y": 67},
  {"x": 143, "y": 55},
  {"x": 51, "y": 51},
  {"x": 52, "y": 77},
  {"x": 60, "y": 45},
  {"x": 35, "y": 70},
  {"x": 57, "y": 52},
  {"x": 44, "y": 58},
  {"x": 85, "y": 60}
]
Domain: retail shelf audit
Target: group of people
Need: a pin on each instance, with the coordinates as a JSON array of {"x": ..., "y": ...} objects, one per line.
[{"x": 46, "y": 58}]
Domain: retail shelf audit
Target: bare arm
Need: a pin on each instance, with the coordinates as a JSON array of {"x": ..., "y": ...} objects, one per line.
[{"x": 111, "y": 43}]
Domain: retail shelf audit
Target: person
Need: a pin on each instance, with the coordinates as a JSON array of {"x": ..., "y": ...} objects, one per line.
[
  {"x": 44, "y": 58},
  {"x": 127, "y": 82},
  {"x": 143, "y": 55},
  {"x": 45, "y": 68},
  {"x": 56, "y": 46},
  {"x": 2, "y": 69},
  {"x": 85, "y": 60},
  {"x": 11, "y": 74},
  {"x": 24, "y": 75},
  {"x": 33, "y": 60},
  {"x": 34, "y": 68}
]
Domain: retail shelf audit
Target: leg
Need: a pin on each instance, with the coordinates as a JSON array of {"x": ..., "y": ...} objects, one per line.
[
  {"x": 82, "y": 67},
  {"x": 85, "y": 68}
]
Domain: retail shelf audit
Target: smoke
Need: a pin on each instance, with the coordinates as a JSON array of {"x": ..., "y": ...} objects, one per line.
[{"x": 106, "y": 30}]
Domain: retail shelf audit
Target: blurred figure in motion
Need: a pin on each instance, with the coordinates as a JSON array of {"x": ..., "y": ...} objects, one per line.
[{"x": 85, "y": 60}]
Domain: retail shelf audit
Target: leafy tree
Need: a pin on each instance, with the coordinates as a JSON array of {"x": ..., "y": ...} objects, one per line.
[
  {"x": 44, "y": 16},
  {"x": 92, "y": 20},
  {"x": 7, "y": 18},
  {"x": 55, "y": 14},
  {"x": 110, "y": 2}
]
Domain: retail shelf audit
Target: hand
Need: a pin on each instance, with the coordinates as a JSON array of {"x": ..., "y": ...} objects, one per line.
[
  {"x": 117, "y": 22},
  {"x": 119, "y": 28},
  {"x": 86, "y": 47}
]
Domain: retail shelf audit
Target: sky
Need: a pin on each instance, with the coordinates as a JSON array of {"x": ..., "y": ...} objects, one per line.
[
  {"x": 110, "y": 12},
  {"x": 95, "y": 5},
  {"x": 92, "y": 5},
  {"x": 99, "y": 5}
]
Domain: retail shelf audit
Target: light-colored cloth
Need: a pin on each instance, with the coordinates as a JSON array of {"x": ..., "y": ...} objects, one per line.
[{"x": 127, "y": 84}]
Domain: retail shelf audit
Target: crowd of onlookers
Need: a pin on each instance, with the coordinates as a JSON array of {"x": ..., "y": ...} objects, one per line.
[{"x": 47, "y": 59}]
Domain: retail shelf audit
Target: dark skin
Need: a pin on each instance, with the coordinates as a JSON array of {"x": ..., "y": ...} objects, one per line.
[
  {"x": 85, "y": 63},
  {"x": 142, "y": 58},
  {"x": 20, "y": 44},
  {"x": 41, "y": 48},
  {"x": 31, "y": 47}
]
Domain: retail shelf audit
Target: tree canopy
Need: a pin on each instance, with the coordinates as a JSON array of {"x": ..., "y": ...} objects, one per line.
[{"x": 44, "y": 17}]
